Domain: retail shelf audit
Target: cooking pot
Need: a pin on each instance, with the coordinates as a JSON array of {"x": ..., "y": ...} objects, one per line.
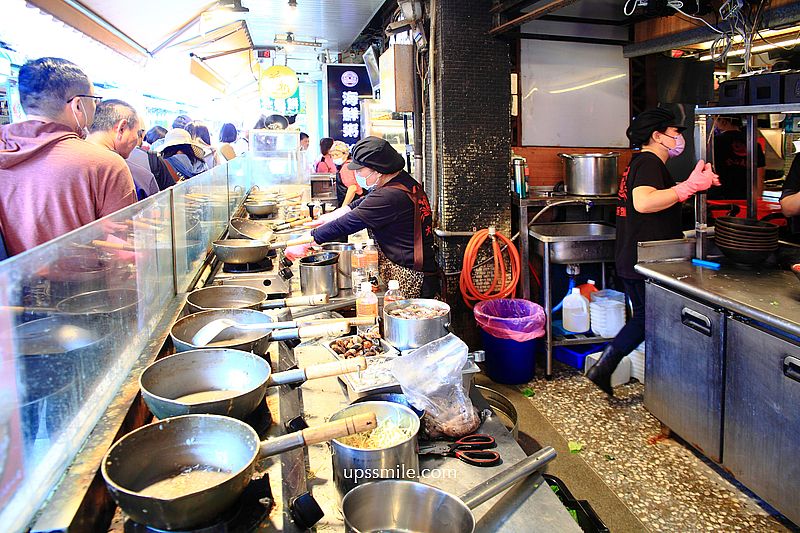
[
  {"x": 411, "y": 333},
  {"x": 401, "y": 459},
  {"x": 345, "y": 251},
  {"x": 399, "y": 505},
  {"x": 591, "y": 174},
  {"x": 319, "y": 274}
]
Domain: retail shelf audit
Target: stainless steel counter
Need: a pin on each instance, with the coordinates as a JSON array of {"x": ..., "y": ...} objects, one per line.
[
  {"x": 768, "y": 296},
  {"x": 530, "y": 506}
]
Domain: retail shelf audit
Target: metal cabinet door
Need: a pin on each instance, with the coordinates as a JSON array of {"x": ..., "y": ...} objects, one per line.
[
  {"x": 684, "y": 367},
  {"x": 762, "y": 415}
]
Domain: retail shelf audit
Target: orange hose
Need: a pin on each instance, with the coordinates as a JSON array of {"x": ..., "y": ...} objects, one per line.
[{"x": 500, "y": 287}]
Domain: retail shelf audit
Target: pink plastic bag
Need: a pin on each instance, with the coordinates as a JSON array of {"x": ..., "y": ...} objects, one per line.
[{"x": 511, "y": 318}]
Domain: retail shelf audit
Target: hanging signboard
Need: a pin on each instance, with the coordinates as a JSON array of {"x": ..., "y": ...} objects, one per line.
[{"x": 344, "y": 84}]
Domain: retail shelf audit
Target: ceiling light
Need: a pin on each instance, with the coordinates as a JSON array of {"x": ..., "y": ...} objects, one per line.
[
  {"x": 289, "y": 39},
  {"x": 757, "y": 49}
]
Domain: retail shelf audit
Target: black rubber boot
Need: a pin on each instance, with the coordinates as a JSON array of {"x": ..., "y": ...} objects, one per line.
[{"x": 601, "y": 372}]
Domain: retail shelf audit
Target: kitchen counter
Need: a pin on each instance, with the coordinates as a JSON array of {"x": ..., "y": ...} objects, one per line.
[
  {"x": 769, "y": 296},
  {"x": 528, "y": 506}
]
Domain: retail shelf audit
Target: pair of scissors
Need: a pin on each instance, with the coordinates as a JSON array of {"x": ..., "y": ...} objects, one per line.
[{"x": 472, "y": 449}]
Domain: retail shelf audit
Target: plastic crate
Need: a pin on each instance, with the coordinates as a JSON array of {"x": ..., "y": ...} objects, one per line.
[
  {"x": 575, "y": 356},
  {"x": 621, "y": 375}
]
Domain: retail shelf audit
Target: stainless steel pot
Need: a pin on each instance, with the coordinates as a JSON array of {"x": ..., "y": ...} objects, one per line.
[
  {"x": 185, "y": 451},
  {"x": 345, "y": 250},
  {"x": 244, "y": 228},
  {"x": 591, "y": 174},
  {"x": 397, "y": 505},
  {"x": 407, "y": 333},
  {"x": 319, "y": 274},
  {"x": 401, "y": 459},
  {"x": 260, "y": 208}
]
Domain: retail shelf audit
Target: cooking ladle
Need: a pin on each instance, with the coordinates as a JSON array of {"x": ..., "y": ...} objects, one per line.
[
  {"x": 185, "y": 451},
  {"x": 213, "y": 329}
]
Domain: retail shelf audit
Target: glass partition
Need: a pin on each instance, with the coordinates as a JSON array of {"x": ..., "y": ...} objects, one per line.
[
  {"x": 239, "y": 181},
  {"x": 200, "y": 216},
  {"x": 75, "y": 314}
]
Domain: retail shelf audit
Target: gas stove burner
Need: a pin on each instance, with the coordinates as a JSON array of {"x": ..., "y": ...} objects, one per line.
[
  {"x": 271, "y": 216},
  {"x": 262, "y": 266},
  {"x": 247, "y": 514},
  {"x": 260, "y": 419}
]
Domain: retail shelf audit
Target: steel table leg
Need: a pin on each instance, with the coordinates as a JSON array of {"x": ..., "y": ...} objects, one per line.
[
  {"x": 548, "y": 309},
  {"x": 524, "y": 252}
]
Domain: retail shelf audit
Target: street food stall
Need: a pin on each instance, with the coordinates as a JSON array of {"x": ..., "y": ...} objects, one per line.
[{"x": 105, "y": 327}]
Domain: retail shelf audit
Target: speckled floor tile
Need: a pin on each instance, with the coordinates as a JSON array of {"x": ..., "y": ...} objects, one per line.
[{"x": 665, "y": 484}]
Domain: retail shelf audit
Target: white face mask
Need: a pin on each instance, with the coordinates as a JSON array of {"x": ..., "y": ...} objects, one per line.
[
  {"x": 362, "y": 180},
  {"x": 339, "y": 161}
]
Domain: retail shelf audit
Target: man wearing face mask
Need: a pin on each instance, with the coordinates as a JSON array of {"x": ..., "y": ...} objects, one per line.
[
  {"x": 649, "y": 209},
  {"x": 397, "y": 213},
  {"x": 53, "y": 181}
]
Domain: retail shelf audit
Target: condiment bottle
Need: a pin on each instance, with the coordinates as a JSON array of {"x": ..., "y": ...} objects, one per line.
[
  {"x": 394, "y": 293},
  {"x": 366, "y": 305},
  {"x": 371, "y": 263},
  {"x": 587, "y": 289}
]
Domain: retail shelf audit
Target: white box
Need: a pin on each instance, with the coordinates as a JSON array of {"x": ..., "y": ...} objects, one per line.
[{"x": 620, "y": 376}]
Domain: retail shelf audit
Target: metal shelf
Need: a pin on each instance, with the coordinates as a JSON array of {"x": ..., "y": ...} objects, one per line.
[
  {"x": 578, "y": 339},
  {"x": 748, "y": 109}
]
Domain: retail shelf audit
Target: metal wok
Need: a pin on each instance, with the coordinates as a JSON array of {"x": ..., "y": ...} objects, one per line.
[
  {"x": 260, "y": 208},
  {"x": 250, "y": 341},
  {"x": 188, "y": 450},
  {"x": 222, "y": 382},
  {"x": 240, "y": 251},
  {"x": 364, "y": 508},
  {"x": 248, "y": 229},
  {"x": 241, "y": 297}
]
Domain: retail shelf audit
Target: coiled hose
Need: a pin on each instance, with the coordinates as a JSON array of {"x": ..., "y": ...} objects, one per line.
[{"x": 500, "y": 287}]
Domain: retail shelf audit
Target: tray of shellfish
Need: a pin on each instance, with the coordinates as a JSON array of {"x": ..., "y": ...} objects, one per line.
[{"x": 379, "y": 355}]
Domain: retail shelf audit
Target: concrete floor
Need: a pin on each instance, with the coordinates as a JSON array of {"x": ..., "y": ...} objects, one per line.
[{"x": 634, "y": 479}]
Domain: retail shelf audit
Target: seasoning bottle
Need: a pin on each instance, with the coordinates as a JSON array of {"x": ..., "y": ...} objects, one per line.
[
  {"x": 587, "y": 289},
  {"x": 371, "y": 263},
  {"x": 366, "y": 304},
  {"x": 394, "y": 293},
  {"x": 358, "y": 270}
]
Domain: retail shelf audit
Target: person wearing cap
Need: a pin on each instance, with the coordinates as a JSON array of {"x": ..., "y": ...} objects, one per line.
[
  {"x": 649, "y": 209},
  {"x": 397, "y": 213},
  {"x": 183, "y": 154},
  {"x": 347, "y": 188}
]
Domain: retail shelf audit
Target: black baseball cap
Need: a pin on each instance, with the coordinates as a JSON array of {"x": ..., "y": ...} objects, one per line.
[
  {"x": 377, "y": 154},
  {"x": 656, "y": 119}
]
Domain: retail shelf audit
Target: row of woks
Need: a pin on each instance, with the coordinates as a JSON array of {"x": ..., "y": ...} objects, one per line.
[
  {"x": 200, "y": 396},
  {"x": 745, "y": 241}
]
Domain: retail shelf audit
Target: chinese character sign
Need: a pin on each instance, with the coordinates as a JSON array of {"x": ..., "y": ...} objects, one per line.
[{"x": 345, "y": 83}]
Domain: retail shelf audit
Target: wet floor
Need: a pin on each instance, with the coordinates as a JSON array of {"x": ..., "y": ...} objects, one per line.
[{"x": 661, "y": 481}]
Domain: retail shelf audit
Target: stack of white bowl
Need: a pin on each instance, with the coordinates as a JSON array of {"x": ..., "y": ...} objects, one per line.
[{"x": 607, "y": 317}]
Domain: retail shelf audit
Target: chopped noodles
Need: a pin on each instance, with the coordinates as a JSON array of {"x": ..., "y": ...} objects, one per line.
[{"x": 385, "y": 435}]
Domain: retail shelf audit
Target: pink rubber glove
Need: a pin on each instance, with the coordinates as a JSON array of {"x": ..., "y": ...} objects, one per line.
[
  {"x": 701, "y": 179},
  {"x": 293, "y": 253},
  {"x": 328, "y": 217}
]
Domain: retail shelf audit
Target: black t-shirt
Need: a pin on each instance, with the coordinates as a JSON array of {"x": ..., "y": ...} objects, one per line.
[
  {"x": 646, "y": 169},
  {"x": 791, "y": 185},
  {"x": 389, "y": 213},
  {"x": 730, "y": 162}
]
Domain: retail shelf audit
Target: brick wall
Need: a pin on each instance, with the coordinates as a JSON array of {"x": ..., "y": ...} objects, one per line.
[{"x": 474, "y": 139}]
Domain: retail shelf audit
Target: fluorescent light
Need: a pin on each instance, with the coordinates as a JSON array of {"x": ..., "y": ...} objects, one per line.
[
  {"x": 590, "y": 84},
  {"x": 756, "y": 49}
]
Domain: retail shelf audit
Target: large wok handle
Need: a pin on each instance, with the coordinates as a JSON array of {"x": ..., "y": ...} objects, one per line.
[
  {"x": 565, "y": 156},
  {"x": 293, "y": 224},
  {"x": 325, "y": 370},
  {"x": 346, "y": 302},
  {"x": 283, "y": 244},
  {"x": 114, "y": 245},
  {"x": 297, "y": 301},
  {"x": 311, "y": 332},
  {"x": 324, "y": 432},
  {"x": 497, "y": 484}
]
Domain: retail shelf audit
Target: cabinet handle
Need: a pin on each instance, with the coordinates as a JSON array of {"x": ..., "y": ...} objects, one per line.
[
  {"x": 791, "y": 367},
  {"x": 697, "y": 321}
]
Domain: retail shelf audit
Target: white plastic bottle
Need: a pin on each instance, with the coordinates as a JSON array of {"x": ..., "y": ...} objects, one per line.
[
  {"x": 394, "y": 293},
  {"x": 371, "y": 262},
  {"x": 366, "y": 304},
  {"x": 358, "y": 269},
  {"x": 576, "y": 312}
]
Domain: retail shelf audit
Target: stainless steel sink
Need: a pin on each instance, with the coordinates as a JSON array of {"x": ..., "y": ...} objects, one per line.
[{"x": 575, "y": 242}]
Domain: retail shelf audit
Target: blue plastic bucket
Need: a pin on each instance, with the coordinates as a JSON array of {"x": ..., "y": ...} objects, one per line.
[{"x": 509, "y": 361}]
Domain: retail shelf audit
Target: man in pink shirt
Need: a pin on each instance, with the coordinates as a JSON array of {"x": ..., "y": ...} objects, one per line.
[{"x": 51, "y": 180}]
